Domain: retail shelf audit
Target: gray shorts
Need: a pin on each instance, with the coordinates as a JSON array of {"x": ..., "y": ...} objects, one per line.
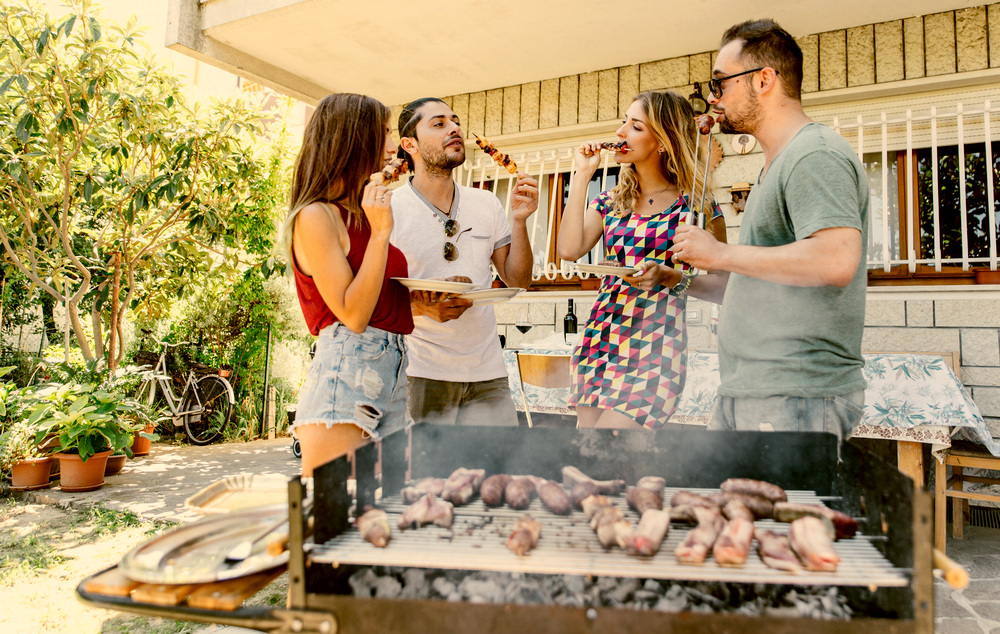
[
  {"x": 452, "y": 403},
  {"x": 838, "y": 415},
  {"x": 356, "y": 378}
]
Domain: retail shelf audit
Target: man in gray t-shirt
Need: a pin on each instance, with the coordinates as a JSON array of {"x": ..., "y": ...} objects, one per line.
[{"x": 793, "y": 288}]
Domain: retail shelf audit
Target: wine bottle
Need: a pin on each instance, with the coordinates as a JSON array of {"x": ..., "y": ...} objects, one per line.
[{"x": 569, "y": 323}]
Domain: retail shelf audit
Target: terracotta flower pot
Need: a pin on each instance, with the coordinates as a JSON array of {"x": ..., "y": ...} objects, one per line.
[
  {"x": 140, "y": 445},
  {"x": 115, "y": 464},
  {"x": 78, "y": 475},
  {"x": 987, "y": 276},
  {"x": 31, "y": 474}
]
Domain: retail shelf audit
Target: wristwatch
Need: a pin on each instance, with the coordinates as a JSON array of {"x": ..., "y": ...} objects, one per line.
[{"x": 681, "y": 287}]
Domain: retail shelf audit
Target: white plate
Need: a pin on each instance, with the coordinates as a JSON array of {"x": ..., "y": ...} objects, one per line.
[
  {"x": 491, "y": 295},
  {"x": 600, "y": 269},
  {"x": 439, "y": 286}
]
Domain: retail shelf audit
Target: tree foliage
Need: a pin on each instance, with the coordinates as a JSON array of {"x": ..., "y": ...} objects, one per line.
[{"x": 114, "y": 191}]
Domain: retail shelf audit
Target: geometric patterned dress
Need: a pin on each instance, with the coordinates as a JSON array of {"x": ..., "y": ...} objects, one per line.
[{"x": 632, "y": 355}]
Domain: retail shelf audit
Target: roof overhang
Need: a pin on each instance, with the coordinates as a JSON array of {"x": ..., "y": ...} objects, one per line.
[{"x": 398, "y": 50}]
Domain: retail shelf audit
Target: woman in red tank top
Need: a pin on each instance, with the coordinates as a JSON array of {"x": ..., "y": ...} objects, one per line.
[{"x": 337, "y": 232}]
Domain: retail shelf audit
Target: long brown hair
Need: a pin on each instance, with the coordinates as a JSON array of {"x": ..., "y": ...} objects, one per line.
[
  {"x": 343, "y": 144},
  {"x": 671, "y": 120}
]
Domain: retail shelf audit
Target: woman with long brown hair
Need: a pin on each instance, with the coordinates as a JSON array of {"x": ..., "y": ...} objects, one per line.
[
  {"x": 629, "y": 367},
  {"x": 337, "y": 236}
]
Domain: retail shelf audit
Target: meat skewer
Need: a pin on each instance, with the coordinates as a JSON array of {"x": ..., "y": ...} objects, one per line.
[
  {"x": 768, "y": 490},
  {"x": 492, "y": 488},
  {"x": 844, "y": 525},
  {"x": 620, "y": 146},
  {"x": 390, "y": 173},
  {"x": 810, "y": 541},
  {"x": 427, "y": 510},
  {"x": 700, "y": 539},
  {"x": 572, "y": 476},
  {"x": 733, "y": 544},
  {"x": 703, "y": 123},
  {"x": 462, "y": 484},
  {"x": 374, "y": 527},
  {"x": 503, "y": 160},
  {"x": 649, "y": 534},
  {"x": 775, "y": 551},
  {"x": 413, "y": 493},
  {"x": 524, "y": 536}
]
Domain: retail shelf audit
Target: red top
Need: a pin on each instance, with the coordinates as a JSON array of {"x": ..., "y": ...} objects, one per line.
[{"x": 392, "y": 311}]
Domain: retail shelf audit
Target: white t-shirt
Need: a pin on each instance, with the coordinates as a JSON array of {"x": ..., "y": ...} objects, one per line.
[{"x": 466, "y": 349}]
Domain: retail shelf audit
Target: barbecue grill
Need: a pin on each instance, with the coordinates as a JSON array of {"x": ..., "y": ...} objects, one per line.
[{"x": 886, "y": 568}]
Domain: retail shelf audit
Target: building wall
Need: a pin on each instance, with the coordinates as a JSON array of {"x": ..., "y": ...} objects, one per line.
[{"x": 912, "y": 51}]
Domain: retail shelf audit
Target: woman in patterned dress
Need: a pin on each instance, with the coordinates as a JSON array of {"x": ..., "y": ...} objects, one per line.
[{"x": 629, "y": 367}]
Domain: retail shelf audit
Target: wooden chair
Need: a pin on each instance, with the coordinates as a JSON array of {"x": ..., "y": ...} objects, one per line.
[
  {"x": 960, "y": 455},
  {"x": 542, "y": 370}
]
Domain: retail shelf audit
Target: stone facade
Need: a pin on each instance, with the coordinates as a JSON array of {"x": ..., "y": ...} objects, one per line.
[{"x": 950, "y": 42}]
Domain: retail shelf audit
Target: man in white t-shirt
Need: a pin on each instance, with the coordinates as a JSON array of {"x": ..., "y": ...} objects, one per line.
[{"x": 456, "y": 371}]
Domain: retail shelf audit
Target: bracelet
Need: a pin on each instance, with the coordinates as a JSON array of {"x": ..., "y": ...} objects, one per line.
[{"x": 681, "y": 287}]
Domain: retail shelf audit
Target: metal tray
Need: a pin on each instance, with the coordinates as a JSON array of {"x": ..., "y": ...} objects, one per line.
[{"x": 238, "y": 492}]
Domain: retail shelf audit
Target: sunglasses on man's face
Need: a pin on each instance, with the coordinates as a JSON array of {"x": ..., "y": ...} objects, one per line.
[{"x": 715, "y": 84}]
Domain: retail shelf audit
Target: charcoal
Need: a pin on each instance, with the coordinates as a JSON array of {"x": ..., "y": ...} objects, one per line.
[
  {"x": 604, "y": 584},
  {"x": 443, "y": 587},
  {"x": 652, "y": 585},
  {"x": 414, "y": 583},
  {"x": 674, "y": 600},
  {"x": 574, "y": 584},
  {"x": 622, "y": 590},
  {"x": 363, "y": 583},
  {"x": 481, "y": 591},
  {"x": 528, "y": 592},
  {"x": 388, "y": 588},
  {"x": 645, "y": 597}
]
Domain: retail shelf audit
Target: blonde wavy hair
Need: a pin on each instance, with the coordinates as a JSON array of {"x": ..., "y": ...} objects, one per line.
[{"x": 671, "y": 120}]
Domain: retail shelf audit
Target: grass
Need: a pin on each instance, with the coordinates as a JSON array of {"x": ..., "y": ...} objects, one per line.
[{"x": 31, "y": 554}]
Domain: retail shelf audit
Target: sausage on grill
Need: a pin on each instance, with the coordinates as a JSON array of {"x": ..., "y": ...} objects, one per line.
[
  {"x": 491, "y": 490},
  {"x": 755, "y": 487}
]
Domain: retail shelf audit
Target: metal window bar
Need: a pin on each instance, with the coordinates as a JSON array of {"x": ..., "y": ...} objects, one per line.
[
  {"x": 963, "y": 201},
  {"x": 991, "y": 212}
]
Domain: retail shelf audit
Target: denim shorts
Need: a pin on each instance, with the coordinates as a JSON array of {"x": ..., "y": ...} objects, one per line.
[
  {"x": 358, "y": 379},
  {"x": 838, "y": 415}
]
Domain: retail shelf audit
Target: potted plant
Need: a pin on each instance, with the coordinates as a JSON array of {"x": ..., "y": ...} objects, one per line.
[
  {"x": 90, "y": 423},
  {"x": 21, "y": 456}
]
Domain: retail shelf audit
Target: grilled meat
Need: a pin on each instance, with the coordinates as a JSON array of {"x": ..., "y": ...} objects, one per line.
[
  {"x": 611, "y": 526},
  {"x": 653, "y": 483},
  {"x": 525, "y": 534},
  {"x": 491, "y": 490},
  {"x": 503, "y": 160},
  {"x": 553, "y": 496},
  {"x": 642, "y": 500},
  {"x": 374, "y": 527},
  {"x": 809, "y": 539},
  {"x": 462, "y": 484},
  {"x": 761, "y": 507},
  {"x": 594, "y": 503},
  {"x": 700, "y": 539},
  {"x": 772, "y": 492},
  {"x": 572, "y": 476},
  {"x": 390, "y": 173},
  {"x": 735, "y": 508},
  {"x": 733, "y": 544},
  {"x": 704, "y": 123},
  {"x": 844, "y": 525},
  {"x": 686, "y": 498},
  {"x": 621, "y": 146},
  {"x": 581, "y": 491},
  {"x": 519, "y": 492},
  {"x": 427, "y": 510},
  {"x": 775, "y": 551},
  {"x": 427, "y": 485},
  {"x": 649, "y": 534}
]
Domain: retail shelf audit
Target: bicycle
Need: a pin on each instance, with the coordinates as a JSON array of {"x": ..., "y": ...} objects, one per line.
[{"x": 204, "y": 406}]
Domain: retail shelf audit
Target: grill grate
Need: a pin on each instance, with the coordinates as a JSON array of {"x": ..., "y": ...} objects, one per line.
[
  {"x": 987, "y": 517},
  {"x": 568, "y": 546}
]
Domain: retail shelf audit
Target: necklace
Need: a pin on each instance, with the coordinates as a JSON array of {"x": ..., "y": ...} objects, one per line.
[{"x": 651, "y": 196}]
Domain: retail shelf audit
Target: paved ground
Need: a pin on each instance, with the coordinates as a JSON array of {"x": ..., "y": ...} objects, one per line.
[{"x": 157, "y": 485}]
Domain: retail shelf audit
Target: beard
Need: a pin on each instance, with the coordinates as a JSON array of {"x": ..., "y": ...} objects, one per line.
[
  {"x": 438, "y": 161},
  {"x": 745, "y": 120}
]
